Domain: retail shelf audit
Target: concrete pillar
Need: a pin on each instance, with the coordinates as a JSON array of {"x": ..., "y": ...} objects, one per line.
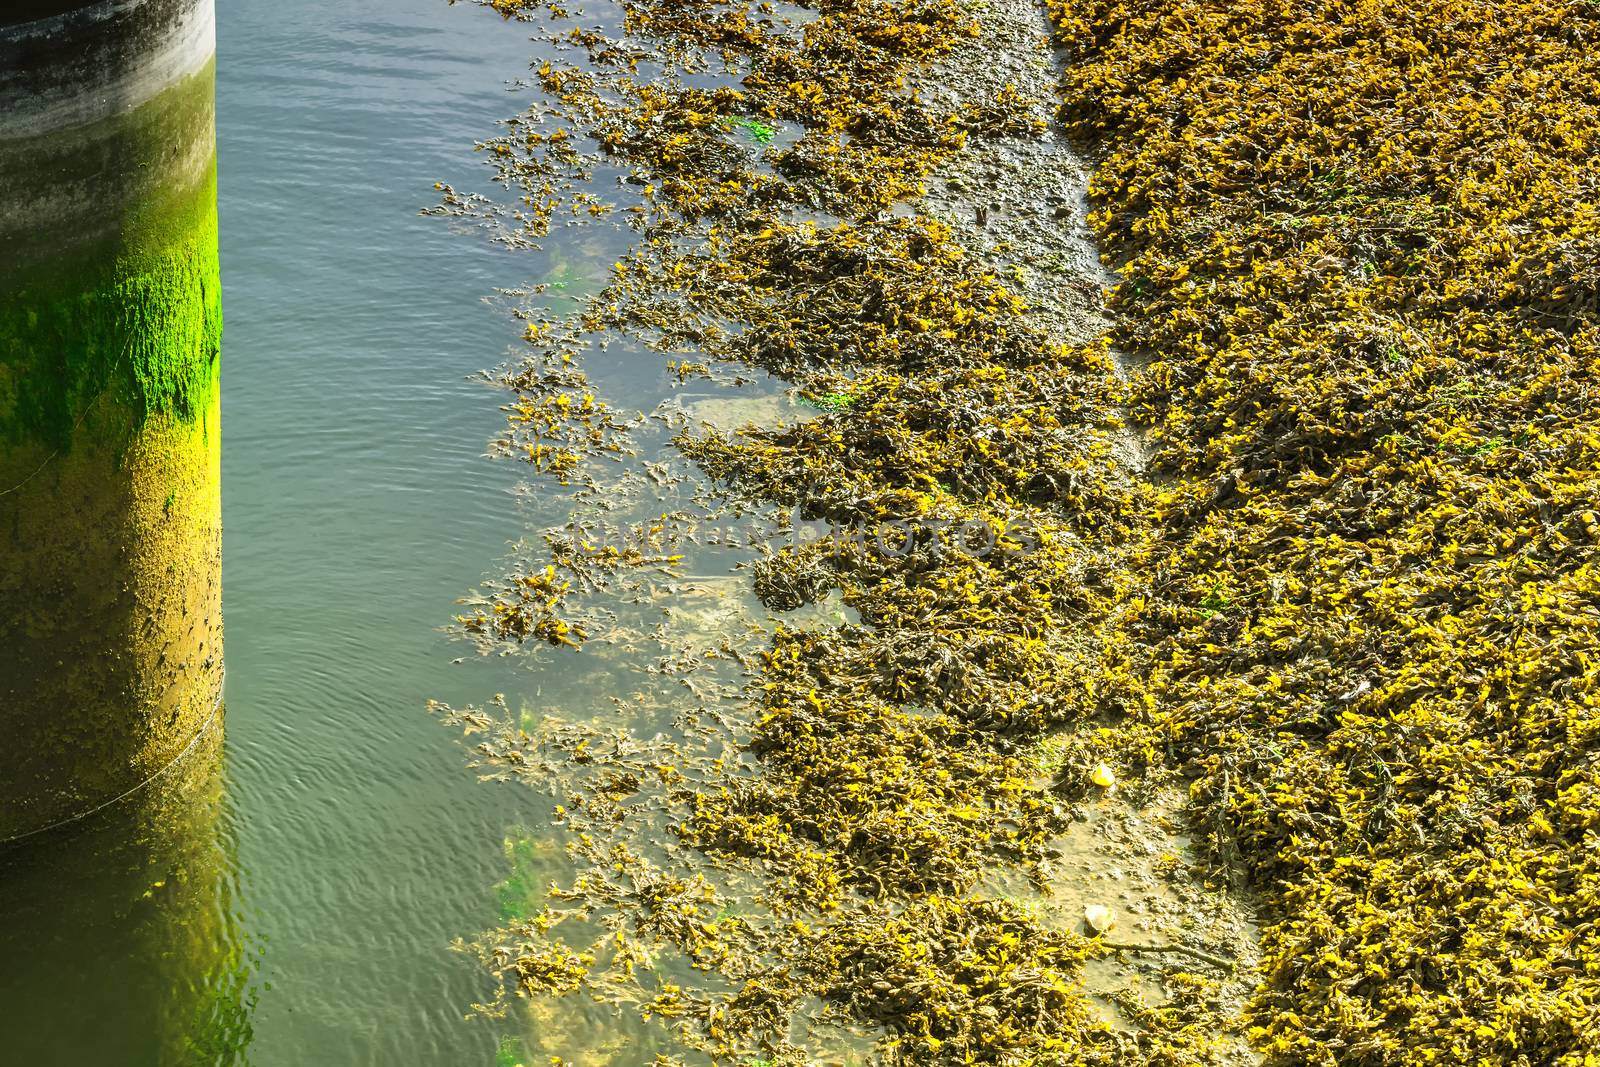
[{"x": 110, "y": 330}]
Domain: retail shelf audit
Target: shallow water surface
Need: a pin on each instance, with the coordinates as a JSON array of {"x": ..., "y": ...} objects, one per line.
[
  {"x": 301, "y": 911},
  {"x": 359, "y": 506}
]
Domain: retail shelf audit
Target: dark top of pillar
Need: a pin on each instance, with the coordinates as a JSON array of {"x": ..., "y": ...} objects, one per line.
[{"x": 20, "y": 11}]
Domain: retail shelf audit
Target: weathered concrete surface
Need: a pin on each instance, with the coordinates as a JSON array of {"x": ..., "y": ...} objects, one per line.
[{"x": 110, "y": 328}]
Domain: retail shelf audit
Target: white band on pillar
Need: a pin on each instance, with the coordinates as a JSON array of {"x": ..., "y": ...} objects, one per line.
[{"x": 105, "y": 71}]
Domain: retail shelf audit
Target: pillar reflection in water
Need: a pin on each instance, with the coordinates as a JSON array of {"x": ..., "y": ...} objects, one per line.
[{"x": 120, "y": 936}]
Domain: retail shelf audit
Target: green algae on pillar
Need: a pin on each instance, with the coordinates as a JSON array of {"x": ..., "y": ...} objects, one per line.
[{"x": 110, "y": 330}]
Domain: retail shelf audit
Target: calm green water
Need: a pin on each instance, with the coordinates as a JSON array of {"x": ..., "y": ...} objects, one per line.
[
  {"x": 291, "y": 898},
  {"x": 357, "y": 507}
]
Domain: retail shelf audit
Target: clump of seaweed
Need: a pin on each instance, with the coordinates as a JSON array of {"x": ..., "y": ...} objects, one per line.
[{"x": 1357, "y": 243}]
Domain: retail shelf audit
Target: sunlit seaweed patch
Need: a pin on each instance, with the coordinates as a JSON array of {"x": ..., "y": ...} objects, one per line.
[
  {"x": 556, "y": 428},
  {"x": 1354, "y": 604},
  {"x": 528, "y": 608},
  {"x": 536, "y": 603},
  {"x": 946, "y": 974},
  {"x": 1359, "y": 242}
]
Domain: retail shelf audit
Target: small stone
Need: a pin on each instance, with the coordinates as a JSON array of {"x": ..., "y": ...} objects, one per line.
[
  {"x": 1099, "y": 917},
  {"x": 1103, "y": 776}
]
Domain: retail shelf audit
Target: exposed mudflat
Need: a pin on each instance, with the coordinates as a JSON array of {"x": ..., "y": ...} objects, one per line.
[
  {"x": 1021, "y": 199},
  {"x": 1020, "y": 202}
]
